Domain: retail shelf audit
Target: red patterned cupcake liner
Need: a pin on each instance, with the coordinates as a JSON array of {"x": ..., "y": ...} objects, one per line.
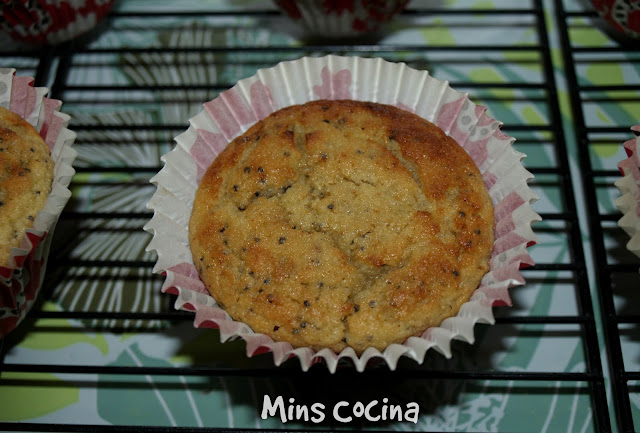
[
  {"x": 341, "y": 18},
  {"x": 42, "y": 22},
  {"x": 622, "y": 16}
]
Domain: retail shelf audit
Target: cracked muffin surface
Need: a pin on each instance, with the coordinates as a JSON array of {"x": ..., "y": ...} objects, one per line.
[
  {"x": 339, "y": 224},
  {"x": 26, "y": 174}
]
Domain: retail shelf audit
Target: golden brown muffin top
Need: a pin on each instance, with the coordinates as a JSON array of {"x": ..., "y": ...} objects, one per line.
[
  {"x": 342, "y": 223},
  {"x": 26, "y": 174}
]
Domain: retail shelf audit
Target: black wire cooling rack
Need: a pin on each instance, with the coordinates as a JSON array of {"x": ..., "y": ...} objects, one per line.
[{"x": 57, "y": 69}]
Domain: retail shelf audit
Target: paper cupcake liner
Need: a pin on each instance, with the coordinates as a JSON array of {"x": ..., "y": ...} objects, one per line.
[
  {"x": 20, "y": 281},
  {"x": 340, "y": 19},
  {"x": 629, "y": 185},
  {"x": 620, "y": 19},
  {"x": 42, "y": 22},
  {"x": 333, "y": 77}
]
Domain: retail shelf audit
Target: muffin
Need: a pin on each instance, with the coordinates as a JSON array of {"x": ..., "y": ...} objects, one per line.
[
  {"x": 342, "y": 224},
  {"x": 35, "y": 164},
  {"x": 26, "y": 173},
  {"x": 299, "y": 240}
]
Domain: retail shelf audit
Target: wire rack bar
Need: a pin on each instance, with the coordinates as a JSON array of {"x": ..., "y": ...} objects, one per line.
[{"x": 373, "y": 374}]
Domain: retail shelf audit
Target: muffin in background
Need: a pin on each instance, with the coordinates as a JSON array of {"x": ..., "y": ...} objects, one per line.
[
  {"x": 50, "y": 22},
  {"x": 621, "y": 20},
  {"x": 341, "y": 18}
]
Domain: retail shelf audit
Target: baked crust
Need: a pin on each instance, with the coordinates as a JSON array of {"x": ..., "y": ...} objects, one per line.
[
  {"x": 26, "y": 174},
  {"x": 342, "y": 223}
]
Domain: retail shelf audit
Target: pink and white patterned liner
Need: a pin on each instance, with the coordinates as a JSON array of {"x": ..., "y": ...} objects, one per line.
[
  {"x": 629, "y": 185},
  {"x": 334, "y": 77},
  {"x": 20, "y": 281}
]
